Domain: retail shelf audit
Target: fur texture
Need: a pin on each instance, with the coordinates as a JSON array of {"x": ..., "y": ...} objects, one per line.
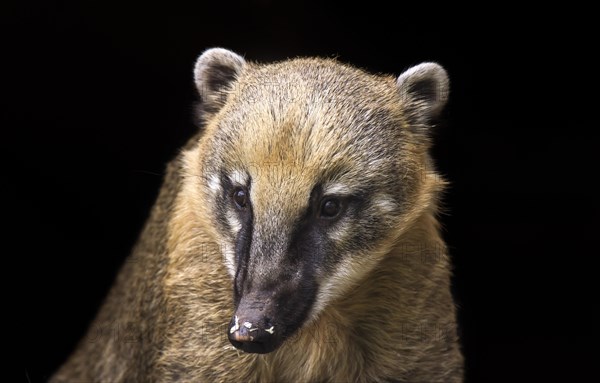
[{"x": 363, "y": 296}]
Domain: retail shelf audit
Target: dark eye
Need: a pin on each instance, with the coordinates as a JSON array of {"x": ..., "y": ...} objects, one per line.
[
  {"x": 330, "y": 208},
  {"x": 240, "y": 198}
]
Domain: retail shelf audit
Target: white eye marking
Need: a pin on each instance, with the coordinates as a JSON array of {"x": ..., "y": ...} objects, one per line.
[
  {"x": 384, "y": 203},
  {"x": 340, "y": 231},
  {"x": 229, "y": 256},
  {"x": 336, "y": 188},
  {"x": 233, "y": 221},
  {"x": 214, "y": 183},
  {"x": 238, "y": 178}
]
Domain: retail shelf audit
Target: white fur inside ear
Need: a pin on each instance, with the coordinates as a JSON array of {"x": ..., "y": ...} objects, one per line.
[
  {"x": 215, "y": 69},
  {"x": 426, "y": 87}
]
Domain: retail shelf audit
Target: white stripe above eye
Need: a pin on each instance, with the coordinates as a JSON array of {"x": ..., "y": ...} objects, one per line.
[
  {"x": 336, "y": 188},
  {"x": 214, "y": 183},
  {"x": 238, "y": 177}
]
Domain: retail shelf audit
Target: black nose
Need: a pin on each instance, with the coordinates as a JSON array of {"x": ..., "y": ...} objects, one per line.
[{"x": 252, "y": 334}]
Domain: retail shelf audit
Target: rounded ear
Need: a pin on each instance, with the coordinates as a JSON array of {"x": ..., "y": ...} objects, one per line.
[
  {"x": 215, "y": 72},
  {"x": 424, "y": 88}
]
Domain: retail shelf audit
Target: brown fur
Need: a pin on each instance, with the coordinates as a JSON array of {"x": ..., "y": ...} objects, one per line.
[{"x": 386, "y": 316}]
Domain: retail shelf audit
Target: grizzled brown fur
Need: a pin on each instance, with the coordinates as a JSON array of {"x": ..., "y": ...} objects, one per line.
[{"x": 360, "y": 297}]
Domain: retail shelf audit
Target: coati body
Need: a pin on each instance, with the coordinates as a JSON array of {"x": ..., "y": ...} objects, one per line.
[{"x": 294, "y": 238}]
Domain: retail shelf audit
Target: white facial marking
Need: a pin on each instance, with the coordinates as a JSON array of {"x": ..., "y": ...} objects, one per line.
[
  {"x": 229, "y": 256},
  {"x": 214, "y": 183},
  {"x": 329, "y": 289},
  {"x": 340, "y": 231},
  {"x": 384, "y": 203},
  {"x": 233, "y": 221},
  {"x": 347, "y": 273},
  {"x": 238, "y": 178},
  {"x": 336, "y": 188}
]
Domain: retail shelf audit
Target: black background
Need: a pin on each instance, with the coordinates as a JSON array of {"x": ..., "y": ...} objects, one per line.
[{"x": 103, "y": 100}]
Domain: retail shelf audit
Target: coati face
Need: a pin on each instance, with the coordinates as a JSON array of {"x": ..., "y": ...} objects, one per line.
[{"x": 308, "y": 170}]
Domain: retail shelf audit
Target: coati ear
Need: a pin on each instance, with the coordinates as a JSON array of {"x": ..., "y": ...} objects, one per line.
[
  {"x": 216, "y": 70},
  {"x": 424, "y": 89}
]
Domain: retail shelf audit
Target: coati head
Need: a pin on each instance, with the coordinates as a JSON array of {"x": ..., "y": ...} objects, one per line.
[{"x": 308, "y": 170}]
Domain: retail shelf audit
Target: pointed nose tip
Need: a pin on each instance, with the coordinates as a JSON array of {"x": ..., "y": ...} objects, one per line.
[{"x": 254, "y": 336}]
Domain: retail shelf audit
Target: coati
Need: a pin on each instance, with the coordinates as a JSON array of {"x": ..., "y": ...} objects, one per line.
[{"x": 294, "y": 238}]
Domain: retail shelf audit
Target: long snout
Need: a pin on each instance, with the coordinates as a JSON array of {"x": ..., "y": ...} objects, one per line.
[{"x": 273, "y": 291}]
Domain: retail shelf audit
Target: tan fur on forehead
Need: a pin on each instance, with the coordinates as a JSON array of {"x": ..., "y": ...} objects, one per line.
[{"x": 303, "y": 117}]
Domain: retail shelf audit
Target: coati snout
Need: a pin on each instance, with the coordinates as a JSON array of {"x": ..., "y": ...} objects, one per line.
[
  {"x": 271, "y": 303},
  {"x": 279, "y": 257},
  {"x": 273, "y": 300}
]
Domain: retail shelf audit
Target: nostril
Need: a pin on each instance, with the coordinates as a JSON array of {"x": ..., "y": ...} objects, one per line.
[
  {"x": 242, "y": 335},
  {"x": 242, "y": 331}
]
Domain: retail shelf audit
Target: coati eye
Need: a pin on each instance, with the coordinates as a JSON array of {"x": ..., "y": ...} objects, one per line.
[
  {"x": 240, "y": 198},
  {"x": 330, "y": 208}
]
